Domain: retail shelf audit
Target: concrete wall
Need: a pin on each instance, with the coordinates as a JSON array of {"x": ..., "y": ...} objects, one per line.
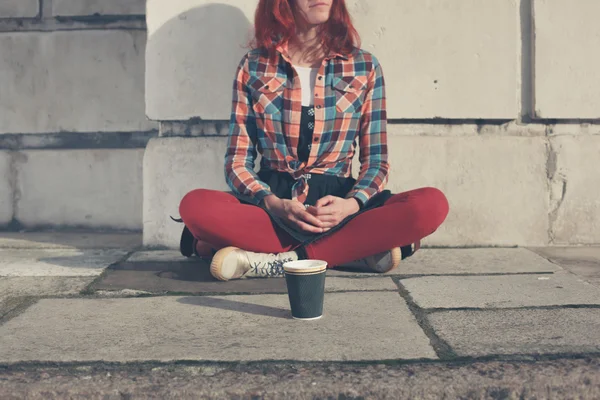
[
  {"x": 442, "y": 58},
  {"x": 101, "y": 7},
  {"x": 567, "y": 61},
  {"x": 19, "y": 8},
  {"x": 495, "y": 102},
  {"x": 72, "y": 115}
]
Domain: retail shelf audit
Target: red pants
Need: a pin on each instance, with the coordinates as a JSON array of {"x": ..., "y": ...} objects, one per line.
[{"x": 219, "y": 219}]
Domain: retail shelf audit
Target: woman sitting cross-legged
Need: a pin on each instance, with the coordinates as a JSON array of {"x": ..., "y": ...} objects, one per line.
[{"x": 304, "y": 98}]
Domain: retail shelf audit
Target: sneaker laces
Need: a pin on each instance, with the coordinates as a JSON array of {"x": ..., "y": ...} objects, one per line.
[{"x": 270, "y": 269}]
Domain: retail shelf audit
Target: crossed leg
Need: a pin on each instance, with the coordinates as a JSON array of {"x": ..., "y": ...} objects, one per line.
[{"x": 221, "y": 220}]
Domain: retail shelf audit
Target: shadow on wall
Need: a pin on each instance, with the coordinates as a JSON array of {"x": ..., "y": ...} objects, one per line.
[{"x": 191, "y": 62}]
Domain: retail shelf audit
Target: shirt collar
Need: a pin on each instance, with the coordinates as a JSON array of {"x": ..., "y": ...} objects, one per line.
[{"x": 282, "y": 49}]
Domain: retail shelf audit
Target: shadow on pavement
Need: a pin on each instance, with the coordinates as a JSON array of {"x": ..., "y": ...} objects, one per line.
[{"x": 238, "y": 306}]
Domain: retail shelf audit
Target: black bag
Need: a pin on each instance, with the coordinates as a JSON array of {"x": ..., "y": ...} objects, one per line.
[{"x": 187, "y": 243}]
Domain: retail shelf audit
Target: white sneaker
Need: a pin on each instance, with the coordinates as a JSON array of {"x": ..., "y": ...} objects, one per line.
[
  {"x": 380, "y": 263},
  {"x": 233, "y": 263},
  {"x": 386, "y": 261}
]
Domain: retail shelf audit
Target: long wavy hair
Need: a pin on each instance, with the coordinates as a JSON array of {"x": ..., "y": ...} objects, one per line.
[{"x": 274, "y": 24}]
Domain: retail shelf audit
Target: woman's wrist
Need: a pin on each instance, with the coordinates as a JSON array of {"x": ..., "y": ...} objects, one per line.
[
  {"x": 356, "y": 204},
  {"x": 271, "y": 201}
]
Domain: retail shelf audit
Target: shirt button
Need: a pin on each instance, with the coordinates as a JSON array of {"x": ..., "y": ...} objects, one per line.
[
  {"x": 320, "y": 78},
  {"x": 319, "y": 106},
  {"x": 315, "y": 139}
]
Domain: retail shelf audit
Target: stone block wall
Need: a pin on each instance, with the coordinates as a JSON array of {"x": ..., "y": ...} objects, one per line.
[
  {"x": 496, "y": 102},
  {"x": 72, "y": 114},
  {"x": 567, "y": 61}
]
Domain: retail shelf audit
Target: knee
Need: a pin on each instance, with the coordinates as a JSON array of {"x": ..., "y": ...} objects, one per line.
[
  {"x": 438, "y": 203},
  {"x": 194, "y": 203},
  {"x": 432, "y": 207}
]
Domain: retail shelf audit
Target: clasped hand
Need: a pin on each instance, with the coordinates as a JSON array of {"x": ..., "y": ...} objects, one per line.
[{"x": 327, "y": 213}]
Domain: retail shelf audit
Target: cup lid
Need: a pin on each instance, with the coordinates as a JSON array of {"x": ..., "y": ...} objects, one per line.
[{"x": 305, "y": 266}]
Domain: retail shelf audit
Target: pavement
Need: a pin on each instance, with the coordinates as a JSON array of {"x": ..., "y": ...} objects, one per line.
[{"x": 94, "y": 315}]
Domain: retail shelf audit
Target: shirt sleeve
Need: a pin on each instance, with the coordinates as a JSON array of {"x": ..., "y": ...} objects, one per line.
[
  {"x": 373, "y": 157},
  {"x": 241, "y": 151}
]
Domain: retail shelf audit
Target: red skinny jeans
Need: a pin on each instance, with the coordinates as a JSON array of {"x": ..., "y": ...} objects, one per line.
[{"x": 219, "y": 219}]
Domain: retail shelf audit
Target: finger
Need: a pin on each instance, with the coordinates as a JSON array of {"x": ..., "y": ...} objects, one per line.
[
  {"x": 330, "y": 224},
  {"x": 316, "y": 211},
  {"x": 323, "y": 201},
  {"x": 330, "y": 209},
  {"x": 322, "y": 211},
  {"x": 300, "y": 209},
  {"x": 308, "y": 217},
  {"x": 325, "y": 219},
  {"x": 312, "y": 210},
  {"x": 307, "y": 227}
]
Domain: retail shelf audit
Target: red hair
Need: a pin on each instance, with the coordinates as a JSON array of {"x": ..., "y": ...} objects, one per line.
[{"x": 274, "y": 24}]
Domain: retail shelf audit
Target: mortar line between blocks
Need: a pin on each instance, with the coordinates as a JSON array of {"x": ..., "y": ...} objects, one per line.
[
  {"x": 41, "y": 13},
  {"x": 499, "y": 309},
  {"x": 470, "y": 274},
  {"x": 89, "y": 288},
  {"x": 442, "y": 348},
  {"x": 47, "y": 25},
  {"x": 24, "y": 304}
]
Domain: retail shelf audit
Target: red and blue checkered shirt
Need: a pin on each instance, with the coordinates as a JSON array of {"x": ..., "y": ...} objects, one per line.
[{"x": 349, "y": 107}]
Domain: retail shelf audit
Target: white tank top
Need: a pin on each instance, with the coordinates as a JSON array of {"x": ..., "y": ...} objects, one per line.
[{"x": 308, "y": 77}]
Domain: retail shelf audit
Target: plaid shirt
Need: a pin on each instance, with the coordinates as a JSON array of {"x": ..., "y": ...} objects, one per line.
[{"x": 267, "y": 105}]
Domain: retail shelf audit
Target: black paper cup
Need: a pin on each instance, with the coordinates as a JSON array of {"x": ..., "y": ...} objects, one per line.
[{"x": 306, "y": 288}]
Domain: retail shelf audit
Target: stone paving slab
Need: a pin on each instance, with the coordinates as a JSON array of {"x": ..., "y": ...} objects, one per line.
[
  {"x": 582, "y": 261},
  {"x": 17, "y": 291},
  {"x": 506, "y": 291},
  {"x": 199, "y": 281},
  {"x": 356, "y": 326},
  {"x": 167, "y": 271},
  {"x": 42, "y": 286},
  {"x": 56, "y": 262},
  {"x": 480, "y": 333},
  {"x": 424, "y": 262},
  {"x": 473, "y": 261},
  {"x": 75, "y": 240}
]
